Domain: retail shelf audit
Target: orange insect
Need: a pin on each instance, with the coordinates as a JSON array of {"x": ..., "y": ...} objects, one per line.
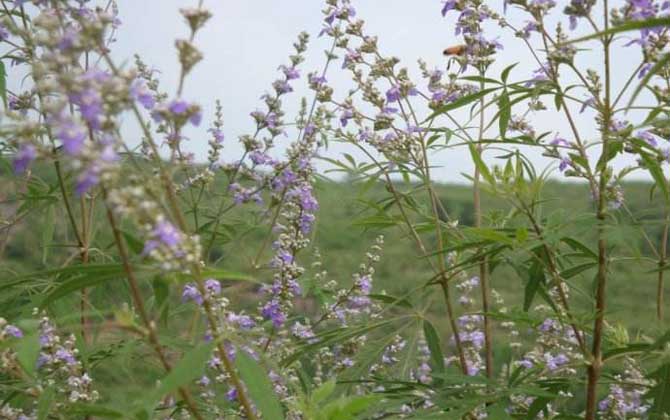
[{"x": 455, "y": 50}]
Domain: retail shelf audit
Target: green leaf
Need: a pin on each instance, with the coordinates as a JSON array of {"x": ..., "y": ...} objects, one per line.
[
  {"x": 75, "y": 284},
  {"x": 27, "y": 351},
  {"x": 259, "y": 386},
  {"x": 657, "y": 173},
  {"x": 346, "y": 408},
  {"x": 505, "y": 73},
  {"x": 462, "y": 101},
  {"x": 578, "y": 246},
  {"x": 134, "y": 244},
  {"x": 161, "y": 293},
  {"x": 44, "y": 403},
  {"x": 660, "y": 393},
  {"x": 322, "y": 393},
  {"x": 433, "y": 341},
  {"x": 190, "y": 367},
  {"x": 3, "y": 83},
  {"x": 47, "y": 232},
  {"x": 573, "y": 271},
  {"x": 97, "y": 411},
  {"x": 536, "y": 281},
  {"x": 505, "y": 113},
  {"x": 479, "y": 164},
  {"x": 626, "y": 27},
  {"x": 187, "y": 369},
  {"x": 391, "y": 300}
]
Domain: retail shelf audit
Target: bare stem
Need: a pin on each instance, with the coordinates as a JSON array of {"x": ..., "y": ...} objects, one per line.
[
  {"x": 483, "y": 264},
  {"x": 661, "y": 266},
  {"x": 595, "y": 366}
]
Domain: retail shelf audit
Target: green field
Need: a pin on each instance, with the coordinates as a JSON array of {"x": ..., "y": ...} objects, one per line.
[{"x": 348, "y": 225}]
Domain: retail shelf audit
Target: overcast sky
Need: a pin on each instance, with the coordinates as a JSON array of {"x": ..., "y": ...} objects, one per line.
[{"x": 246, "y": 40}]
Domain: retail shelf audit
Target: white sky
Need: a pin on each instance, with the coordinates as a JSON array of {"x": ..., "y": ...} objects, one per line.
[{"x": 246, "y": 40}]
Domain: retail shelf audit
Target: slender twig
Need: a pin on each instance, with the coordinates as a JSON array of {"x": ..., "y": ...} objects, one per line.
[
  {"x": 483, "y": 264},
  {"x": 595, "y": 366},
  {"x": 661, "y": 265}
]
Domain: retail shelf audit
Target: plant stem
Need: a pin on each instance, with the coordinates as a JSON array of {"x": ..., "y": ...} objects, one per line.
[
  {"x": 595, "y": 366},
  {"x": 483, "y": 264},
  {"x": 661, "y": 265}
]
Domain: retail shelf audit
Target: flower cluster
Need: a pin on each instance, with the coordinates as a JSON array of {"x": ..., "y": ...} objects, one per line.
[
  {"x": 80, "y": 106},
  {"x": 163, "y": 241},
  {"x": 470, "y": 327},
  {"x": 626, "y": 395},
  {"x": 57, "y": 366}
]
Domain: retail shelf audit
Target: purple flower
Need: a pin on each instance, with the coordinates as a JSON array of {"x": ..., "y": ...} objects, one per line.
[
  {"x": 87, "y": 180},
  {"x": 213, "y": 286},
  {"x": 196, "y": 118},
  {"x": 559, "y": 141},
  {"x": 531, "y": 26},
  {"x": 554, "y": 362},
  {"x": 317, "y": 81},
  {"x": 24, "y": 157},
  {"x": 178, "y": 107},
  {"x": 565, "y": 163},
  {"x": 244, "y": 322},
  {"x": 13, "y": 331},
  {"x": 140, "y": 93},
  {"x": 539, "y": 75},
  {"x": 68, "y": 40},
  {"x": 272, "y": 311},
  {"x": 393, "y": 94},
  {"x": 4, "y": 33},
  {"x": 191, "y": 293},
  {"x": 352, "y": 56},
  {"x": 89, "y": 102},
  {"x": 525, "y": 363},
  {"x": 167, "y": 233},
  {"x": 282, "y": 87},
  {"x": 589, "y": 103},
  {"x": 231, "y": 395},
  {"x": 648, "y": 137},
  {"x": 448, "y": 5},
  {"x": 347, "y": 114},
  {"x": 644, "y": 70},
  {"x": 65, "y": 356},
  {"x": 218, "y": 135},
  {"x": 291, "y": 73},
  {"x": 548, "y": 325},
  {"x": 72, "y": 135}
]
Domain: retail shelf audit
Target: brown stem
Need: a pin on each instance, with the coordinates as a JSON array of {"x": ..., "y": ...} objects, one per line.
[
  {"x": 595, "y": 367},
  {"x": 138, "y": 302},
  {"x": 661, "y": 267}
]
